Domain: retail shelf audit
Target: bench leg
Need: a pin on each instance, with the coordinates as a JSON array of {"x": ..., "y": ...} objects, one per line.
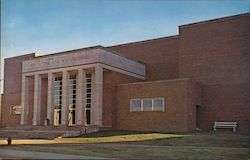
[
  {"x": 234, "y": 129},
  {"x": 214, "y": 128}
]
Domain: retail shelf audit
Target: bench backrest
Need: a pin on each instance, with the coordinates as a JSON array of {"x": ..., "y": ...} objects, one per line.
[{"x": 225, "y": 123}]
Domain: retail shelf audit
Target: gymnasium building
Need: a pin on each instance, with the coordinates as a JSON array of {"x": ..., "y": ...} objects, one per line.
[{"x": 172, "y": 84}]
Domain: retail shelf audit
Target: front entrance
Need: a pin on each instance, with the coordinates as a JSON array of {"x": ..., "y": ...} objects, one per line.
[{"x": 57, "y": 117}]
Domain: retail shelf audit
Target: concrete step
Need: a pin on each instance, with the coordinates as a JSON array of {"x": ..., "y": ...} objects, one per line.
[
  {"x": 33, "y": 128},
  {"x": 46, "y": 132},
  {"x": 30, "y": 134}
]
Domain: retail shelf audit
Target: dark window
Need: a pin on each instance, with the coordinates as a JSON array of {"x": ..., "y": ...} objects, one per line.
[
  {"x": 73, "y": 117},
  {"x": 60, "y": 113},
  {"x": 88, "y": 75},
  {"x": 88, "y": 106},
  {"x": 88, "y": 100},
  {"x": 88, "y": 116}
]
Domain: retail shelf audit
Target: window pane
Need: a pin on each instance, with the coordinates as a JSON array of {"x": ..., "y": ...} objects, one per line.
[
  {"x": 88, "y": 116},
  {"x": 158, "y": 102},
  {"x": 58, "y": 107},
  {"x": 88, "y": 75},
  {"x": 147, "y": 105},
  {"x": 158, "y": 108},
  {"x": 88, "y": 95},
  {"x": 88, "y": 100},
  {"x": 88, "y": 106},
  {"x": 135, "y": 105},
  {"x": 158, "y": 105}
]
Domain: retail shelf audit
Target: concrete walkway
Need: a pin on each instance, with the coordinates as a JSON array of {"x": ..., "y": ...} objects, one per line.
[{"x": 16, "y": 154}]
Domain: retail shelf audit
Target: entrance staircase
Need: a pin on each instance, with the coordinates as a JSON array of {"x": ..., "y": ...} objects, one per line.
[{"x": 46, "y": 132}]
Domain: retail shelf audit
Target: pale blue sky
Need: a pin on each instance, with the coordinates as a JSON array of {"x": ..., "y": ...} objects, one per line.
[{"x": 48, "y": 26}]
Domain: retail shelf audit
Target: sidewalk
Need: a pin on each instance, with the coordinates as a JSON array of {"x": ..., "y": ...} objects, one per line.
[{"x": 16, "y": 154}]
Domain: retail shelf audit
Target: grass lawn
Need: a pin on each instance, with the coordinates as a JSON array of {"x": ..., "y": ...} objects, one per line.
[{"x": 136, "y": 145}]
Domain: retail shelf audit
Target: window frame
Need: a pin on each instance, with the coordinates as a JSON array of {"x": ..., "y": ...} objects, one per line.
[
  {"x": 163, "y": 104},
  {"x": 142, "y": 104},
  {"x": 131, "y": 105},
  {"x": 152, "y": 102}
]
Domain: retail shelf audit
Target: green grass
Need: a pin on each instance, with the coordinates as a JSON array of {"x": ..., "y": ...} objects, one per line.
[
  {"x": 135, "y": 145},
  {"x": 119, "y": 138}
]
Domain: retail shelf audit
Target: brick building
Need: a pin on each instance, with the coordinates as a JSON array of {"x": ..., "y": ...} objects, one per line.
[{"x": 170, "y": 84}]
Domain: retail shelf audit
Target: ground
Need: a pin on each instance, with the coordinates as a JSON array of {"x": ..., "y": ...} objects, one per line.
[{"x": 137, "y": 145}]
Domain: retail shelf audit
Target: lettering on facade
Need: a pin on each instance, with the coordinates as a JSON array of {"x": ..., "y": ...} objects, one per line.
[
  {"x": 83, "y": 58},
  {"x": 58, "y": 61}
]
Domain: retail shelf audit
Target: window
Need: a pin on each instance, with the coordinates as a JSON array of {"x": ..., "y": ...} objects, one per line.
[
  {"x": 135, "y": 105},
  {"x": 146, "y": 104},
  {"x": 72, "y": 99},
  {"x": 57, "y": 100},
  {"x": 16, "y": 110},
  {"x": 58, "y": 92},
  {"x": 153, "y": 104},
  {"x": 158, "y": 104},
  {"x": 88, "y": 90}
]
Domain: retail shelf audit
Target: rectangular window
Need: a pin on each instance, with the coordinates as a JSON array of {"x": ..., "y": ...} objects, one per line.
[
  {"x": 153, "y": 104},
  {"x": 135, "y": 105},
  {"x": 88, "y": 116},
  {"x": 158, "y": 104},
  {"x": 147, "y": 105},
  {"x": 88, "y": 89},
  {"x": 57, "y": 100},
  {"x": 72, "y": 98}
]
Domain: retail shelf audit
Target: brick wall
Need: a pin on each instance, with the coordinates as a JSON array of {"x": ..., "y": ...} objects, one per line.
[
  {"x": 12, "y": 88},
  {"x": 44, "y": 92},
  {"x": 179, "y": 106},
  {"x": 110, "y": 80},
  {"x": 160, "y": 56},
  {"x": 216, "y": 54}
]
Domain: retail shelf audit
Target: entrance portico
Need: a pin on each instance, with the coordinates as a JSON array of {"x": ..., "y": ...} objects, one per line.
[{"x": 74, "y": 85}]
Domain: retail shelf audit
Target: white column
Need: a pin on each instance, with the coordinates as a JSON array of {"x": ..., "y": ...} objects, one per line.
[
  {"x": 98, "y": 95},
  {"x": 65, "y": 105},
  {"x": 50, "y": 97},
  {"x": 37, "y": 100},
  {"x": 80, "y": 97},
  {"x": 24, "y": 100}
]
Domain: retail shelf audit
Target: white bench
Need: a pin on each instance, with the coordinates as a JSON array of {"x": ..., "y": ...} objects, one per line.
[{"x": 232, "y": 125}]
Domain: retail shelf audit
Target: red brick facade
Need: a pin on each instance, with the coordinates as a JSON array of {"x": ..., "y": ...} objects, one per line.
[
  {"x": 216, "y": 55},
  {"x": 12, "y": 89},
  {"x": 202, "y": 74},
  {"x": 180, "y": 99}
]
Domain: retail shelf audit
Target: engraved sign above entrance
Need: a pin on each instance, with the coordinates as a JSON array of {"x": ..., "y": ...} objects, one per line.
[{"x": 83, "y": 57}]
